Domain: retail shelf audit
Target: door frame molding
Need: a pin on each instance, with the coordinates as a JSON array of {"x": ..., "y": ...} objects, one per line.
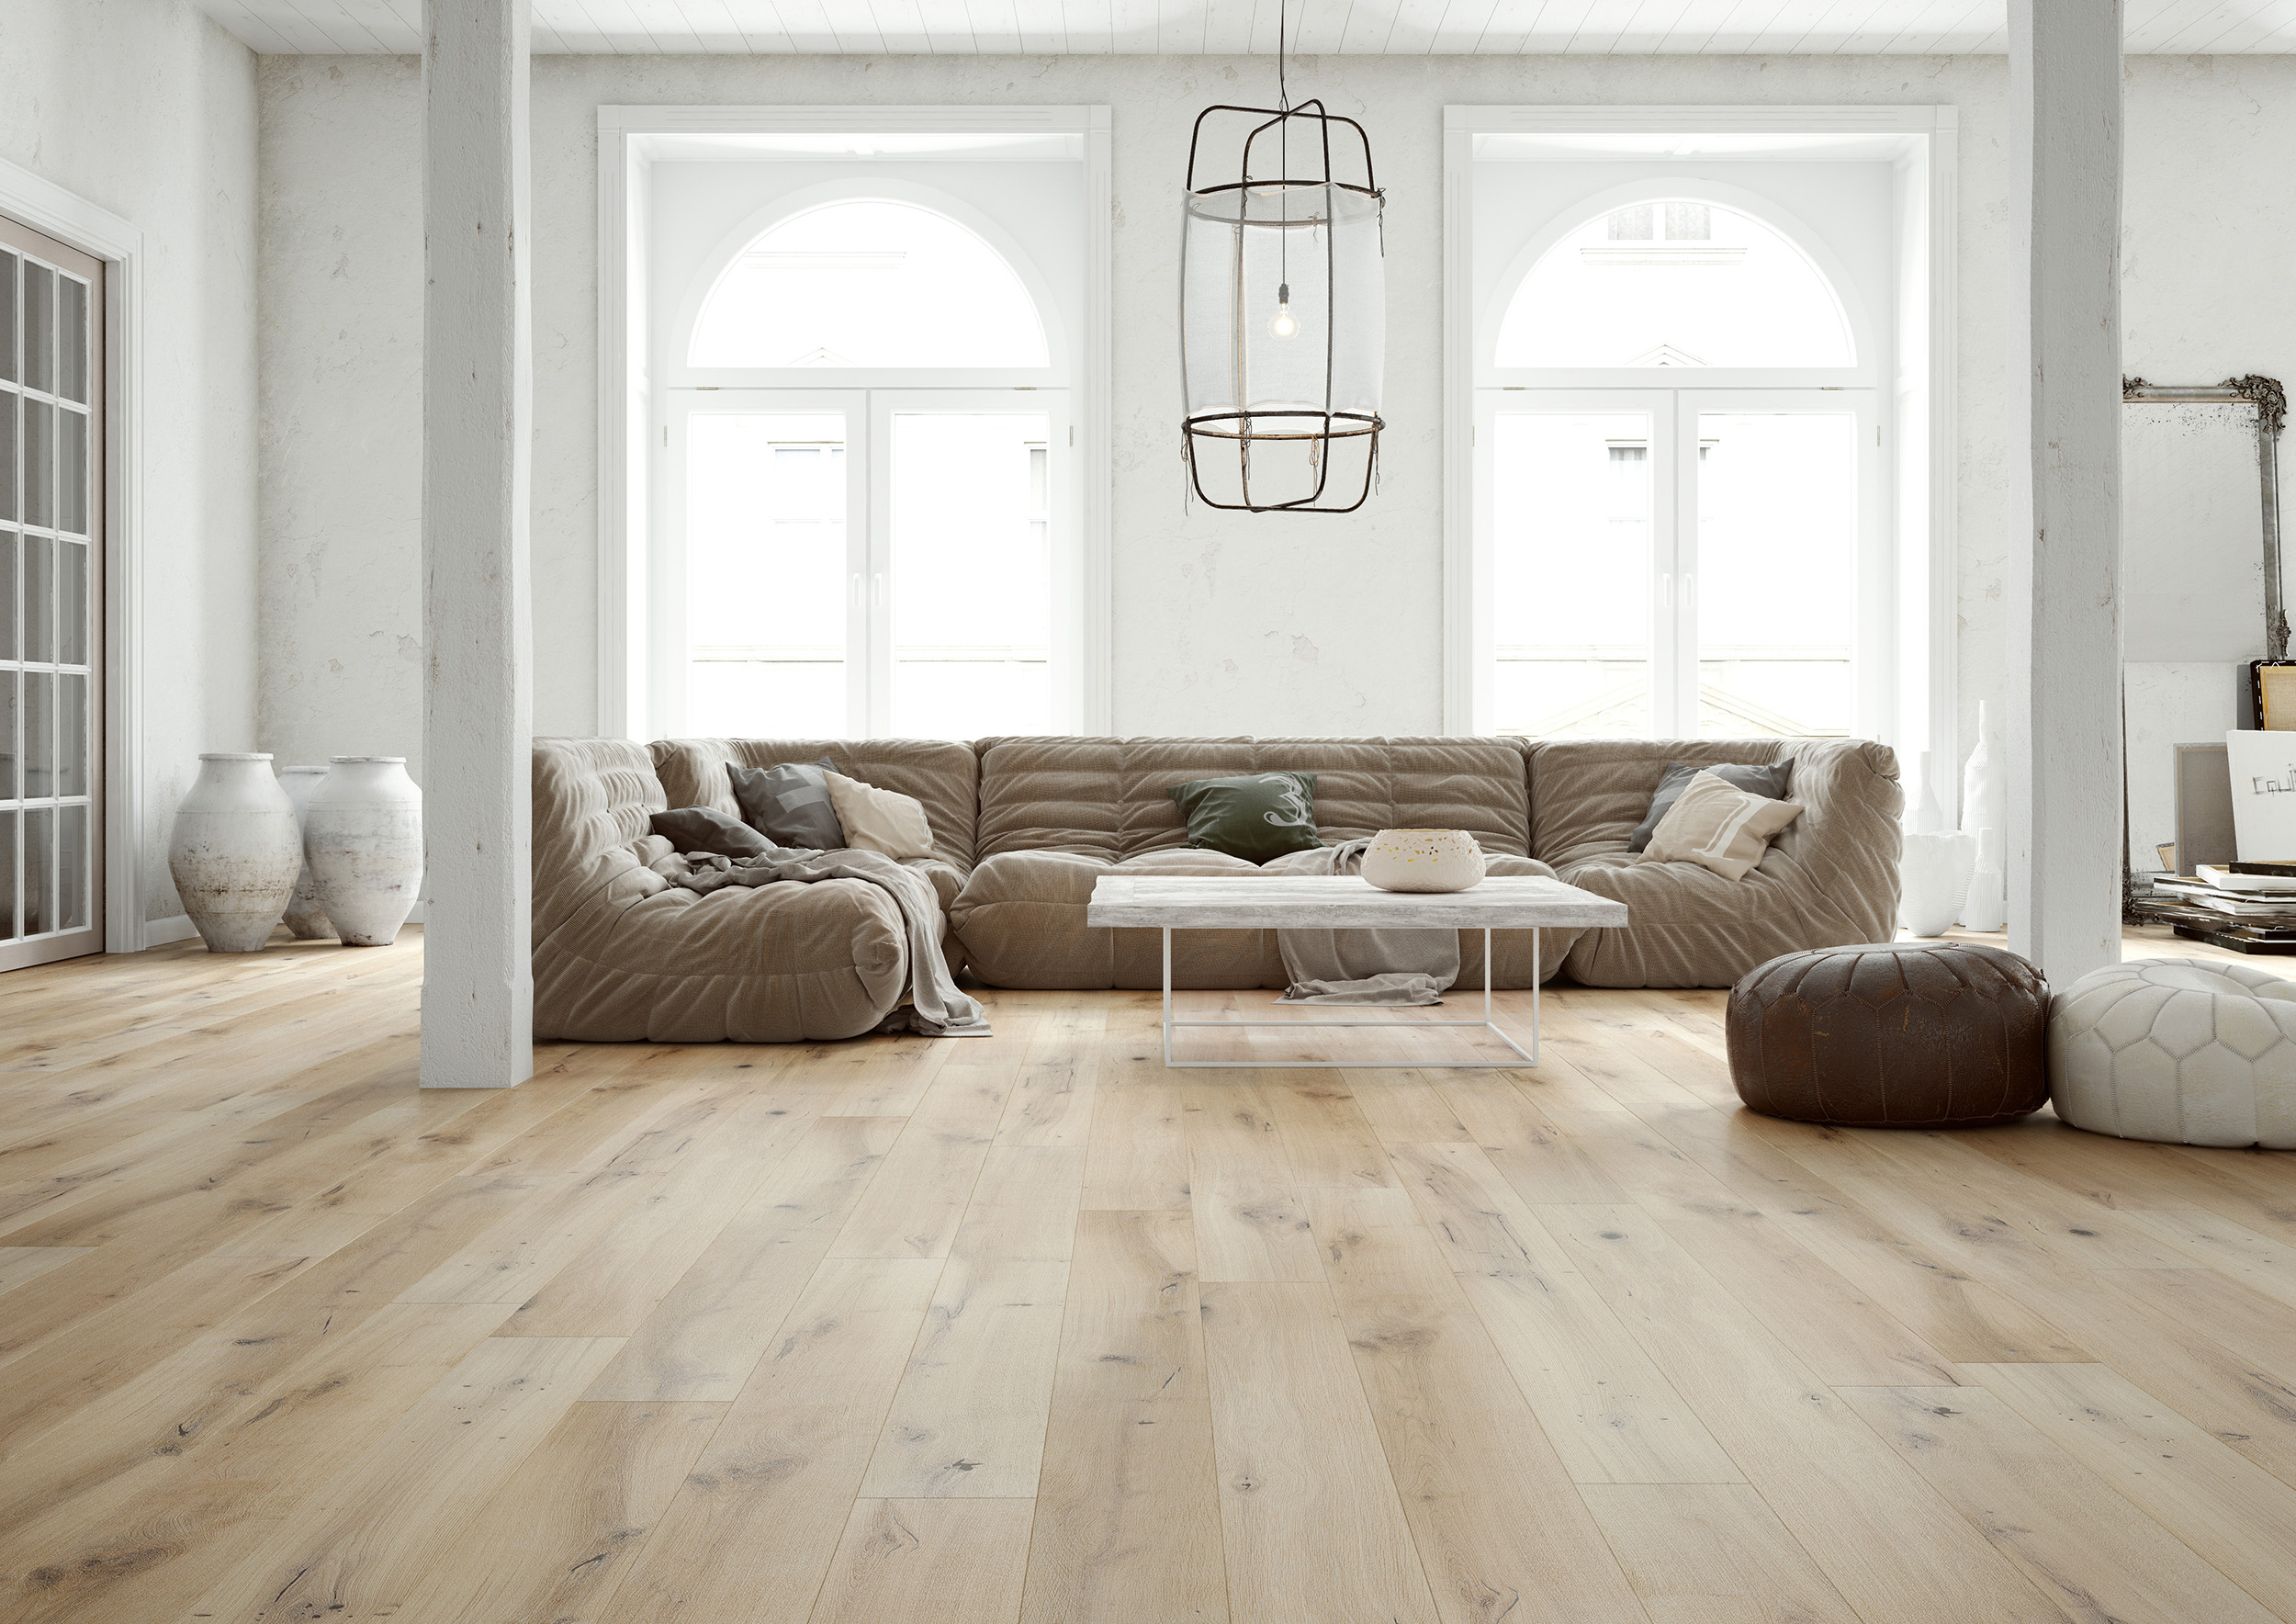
[
  {"x": 627, "y": 396},
  {"x": 97, "y": 232},
  {"x": 1922, "y": 513}
]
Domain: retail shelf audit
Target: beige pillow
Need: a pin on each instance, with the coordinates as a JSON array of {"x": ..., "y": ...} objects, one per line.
[
  {"x": 880, "y": 820},
  {"x": 1720, "y": 827}
]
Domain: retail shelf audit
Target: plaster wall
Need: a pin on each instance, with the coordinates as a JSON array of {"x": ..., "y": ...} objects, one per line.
[
  {"x": 146, "y": 108},
  {"x": 1224, "y": 623}
]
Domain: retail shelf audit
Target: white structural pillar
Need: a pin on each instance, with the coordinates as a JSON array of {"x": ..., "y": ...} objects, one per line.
[
  {"x": 478, "y": 985},
  {"x": 2065, "y": 839}
]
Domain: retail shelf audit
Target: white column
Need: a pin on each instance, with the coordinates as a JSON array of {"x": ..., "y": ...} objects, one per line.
[
  {"x": 478, "y": 988},
  {"x": 2065, "y": 839}
]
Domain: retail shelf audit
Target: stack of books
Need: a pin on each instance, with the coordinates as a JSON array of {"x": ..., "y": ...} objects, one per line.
[{"x": 2248, "y": 907}]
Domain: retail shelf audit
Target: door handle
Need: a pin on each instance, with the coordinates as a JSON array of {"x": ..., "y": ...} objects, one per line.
[{"x": 878, "y": 590}]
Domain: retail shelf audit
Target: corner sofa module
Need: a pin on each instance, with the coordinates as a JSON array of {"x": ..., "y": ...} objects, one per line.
[
  {"x": 622, "y": 956},
  {"x": 1829, "y": 880},
  {"x": 1057, "y": 813}
]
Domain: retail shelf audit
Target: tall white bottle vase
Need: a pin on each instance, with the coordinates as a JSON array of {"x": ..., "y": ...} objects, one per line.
[
  {"x": 234, "y": 851},
  {"x": 1985, "y": 780},
  {"x": 363, "y": 837},
  {"x": 306, "y": 915}
]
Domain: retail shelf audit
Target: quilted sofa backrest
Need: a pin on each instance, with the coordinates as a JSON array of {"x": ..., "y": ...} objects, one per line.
[
  {"x": 1106, "y": 797},
  {"x": 593, "y": 799},
  {"x": 945, "y": 776}
]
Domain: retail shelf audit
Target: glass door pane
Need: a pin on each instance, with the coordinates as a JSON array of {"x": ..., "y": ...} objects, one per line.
[
  {"x": 971, "y": 506},
  {"x": 1776, "y": 551},
  {"x": 766, "y": 574},
  {"x": 1572, "y": 508}
]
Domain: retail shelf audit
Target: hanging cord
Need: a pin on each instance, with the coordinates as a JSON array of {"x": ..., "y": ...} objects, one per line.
[{"x": 1283, "y": 166}]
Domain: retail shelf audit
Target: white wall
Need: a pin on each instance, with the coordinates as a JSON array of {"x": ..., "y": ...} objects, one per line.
[
  {"x": 1225, "y": 623},
  {"x": 147, "y": 108}
]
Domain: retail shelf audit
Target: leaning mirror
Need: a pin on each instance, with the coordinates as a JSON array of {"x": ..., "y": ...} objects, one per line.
[{"x": 2200, "y": 609}]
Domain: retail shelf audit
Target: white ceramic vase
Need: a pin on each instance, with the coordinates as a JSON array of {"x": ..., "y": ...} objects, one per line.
[
  {"x": 363, "y": 837},
  {"x": 1984, "y": 814},
  {"x": 1422, "y": 859},
  {"x": 306, "y": 916},
  {"x": 1934, "y": 878},
  {"x": 235, "y": 852}
]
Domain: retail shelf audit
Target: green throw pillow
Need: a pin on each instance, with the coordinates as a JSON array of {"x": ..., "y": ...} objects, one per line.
[{"x": 1255, "y": 816}]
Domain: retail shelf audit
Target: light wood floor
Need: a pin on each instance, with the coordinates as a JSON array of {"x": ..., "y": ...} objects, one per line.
[{"x": 1030, "y": 1329}]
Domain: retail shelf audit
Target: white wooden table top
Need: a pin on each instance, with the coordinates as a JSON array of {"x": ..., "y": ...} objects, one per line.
[{"x": 1345, "y": 902}]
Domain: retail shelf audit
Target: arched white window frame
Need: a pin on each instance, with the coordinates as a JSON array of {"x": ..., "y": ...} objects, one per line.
[
  {"x": 1055, "y": 321},
  {"x": 1866, "y": 341},
  {"x": 631, "y": 140}
]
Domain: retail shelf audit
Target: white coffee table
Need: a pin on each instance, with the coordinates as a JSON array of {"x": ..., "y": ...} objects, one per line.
[{"x": 1343, "y": 902}]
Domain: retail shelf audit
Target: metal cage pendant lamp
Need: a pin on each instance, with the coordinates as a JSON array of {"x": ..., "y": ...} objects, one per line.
[{"x": 1283, "y": 309}]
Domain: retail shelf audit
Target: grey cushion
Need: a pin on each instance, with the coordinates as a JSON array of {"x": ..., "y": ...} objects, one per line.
[
  {"x": 788, "y": 805},
  {"x": 1766, "y": 782},
  {"x": 704, "y": 828}
]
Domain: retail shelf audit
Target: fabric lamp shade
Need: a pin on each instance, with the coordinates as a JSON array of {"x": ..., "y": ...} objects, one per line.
[{"x": 1283, "y": 315}]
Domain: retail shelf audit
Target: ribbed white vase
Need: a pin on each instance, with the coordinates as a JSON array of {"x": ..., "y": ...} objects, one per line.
[
  {"x": 363, "y": 837},
  {"x": 234, "y": 851},
  {"x": 306, "y": 915},
  {"x": 1422, "y": 859}
]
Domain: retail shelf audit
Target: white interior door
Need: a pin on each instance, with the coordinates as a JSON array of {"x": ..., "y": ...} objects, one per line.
[{"x": 51, "y": 596}]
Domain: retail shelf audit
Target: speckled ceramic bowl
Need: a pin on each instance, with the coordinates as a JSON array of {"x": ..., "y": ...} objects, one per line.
[{"x": 1423, "y": 860}]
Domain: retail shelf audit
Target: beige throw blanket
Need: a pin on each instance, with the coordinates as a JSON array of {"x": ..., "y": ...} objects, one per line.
[
  {"x": 1410, "y": 966},
  {"x": 935, "y": 1006}
]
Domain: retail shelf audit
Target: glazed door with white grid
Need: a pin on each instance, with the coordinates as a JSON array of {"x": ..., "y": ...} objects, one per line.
[{"x": 51, "y": 598}]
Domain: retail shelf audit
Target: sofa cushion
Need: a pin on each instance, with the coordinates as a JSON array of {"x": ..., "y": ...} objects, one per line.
[
  {"x": 1108, "y": 798},
  {"x": 789, "y": 803},
  {"x": 705, "y": 829},
  {"x": 1770, "y": 782},
  {"x": 1256, "y": 816},
  {"x": 941, "y": 775}
]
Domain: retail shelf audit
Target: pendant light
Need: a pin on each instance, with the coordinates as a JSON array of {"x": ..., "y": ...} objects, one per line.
[{"x": 1283, "y": 308}]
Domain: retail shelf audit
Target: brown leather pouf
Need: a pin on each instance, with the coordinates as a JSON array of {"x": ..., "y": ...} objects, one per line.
[{"x": 1897, "y": 1034}]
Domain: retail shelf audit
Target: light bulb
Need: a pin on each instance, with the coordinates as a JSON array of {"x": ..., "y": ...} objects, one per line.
[{"x": 1285, "y": 326}]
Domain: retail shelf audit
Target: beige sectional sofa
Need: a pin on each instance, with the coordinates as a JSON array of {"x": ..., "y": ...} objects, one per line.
[{"x": 1023, "y": 828}]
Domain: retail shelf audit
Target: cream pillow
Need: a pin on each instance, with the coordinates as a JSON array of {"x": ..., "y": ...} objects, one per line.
[
  {"x": 1719, "y": 825},
  {"x": 880, "y": 820}
]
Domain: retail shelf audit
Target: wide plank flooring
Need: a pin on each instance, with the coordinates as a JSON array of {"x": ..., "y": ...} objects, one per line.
[{"x": 1031, "y": 1328}]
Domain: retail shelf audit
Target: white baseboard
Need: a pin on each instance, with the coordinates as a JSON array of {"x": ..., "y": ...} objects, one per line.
[
  {"x": 179, "y": 927},
  {"x": 174, "y": 928}
]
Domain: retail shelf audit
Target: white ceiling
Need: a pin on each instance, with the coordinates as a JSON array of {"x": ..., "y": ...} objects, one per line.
[{"x": 1490, "y": 28}]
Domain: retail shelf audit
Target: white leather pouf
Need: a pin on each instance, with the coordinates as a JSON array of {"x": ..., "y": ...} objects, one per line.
[{"x": 2180, "y": 1051}]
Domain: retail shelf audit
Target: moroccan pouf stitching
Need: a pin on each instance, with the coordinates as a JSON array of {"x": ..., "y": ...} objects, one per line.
[
  {"x": 2179, "y": 1051},
  {"x": 1892, "y": 1034}
]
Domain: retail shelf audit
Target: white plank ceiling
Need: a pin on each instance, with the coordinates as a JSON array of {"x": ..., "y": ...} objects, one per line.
[{"x": 1488, "y": 27}]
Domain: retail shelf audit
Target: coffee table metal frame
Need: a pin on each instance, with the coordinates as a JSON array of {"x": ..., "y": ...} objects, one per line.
[{"x": 1614, "y": 913}]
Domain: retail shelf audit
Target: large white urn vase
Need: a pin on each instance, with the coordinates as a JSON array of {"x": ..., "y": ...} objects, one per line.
[
  {"x": 363, "y": 837},
  {"x": 235, "y": 852},
  {"x": 306, "y": 916},
  {"x": 1422, "y": 859}
]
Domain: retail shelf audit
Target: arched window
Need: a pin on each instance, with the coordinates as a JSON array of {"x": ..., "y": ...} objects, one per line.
[
  {"x": 1675, "y": 282},
  {"x": 868, "y": 282}
]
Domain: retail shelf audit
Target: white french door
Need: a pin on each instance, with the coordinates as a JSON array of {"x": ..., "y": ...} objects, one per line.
[
  {"x": 52, "y": 600},
  {"x": 1682, "y": 562},
  {"x": 858, "y": 563}
]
